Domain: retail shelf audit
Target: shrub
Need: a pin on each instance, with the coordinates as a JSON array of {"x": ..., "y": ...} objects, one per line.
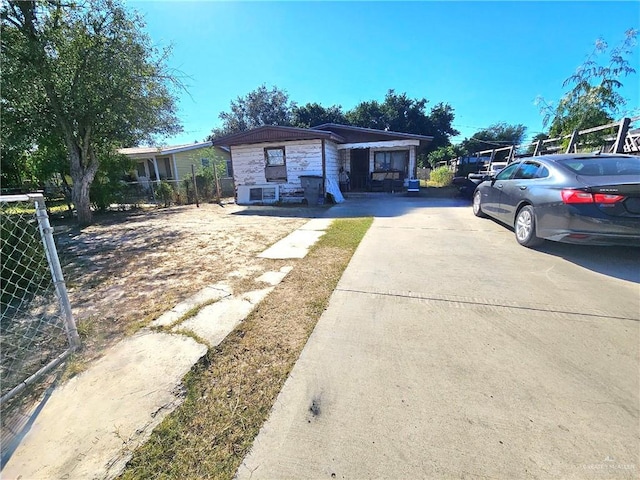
[
  {"x": 165, "y": 192},
  {"x": 442, "y": 176},
  {"x": 103, "y": 192}
]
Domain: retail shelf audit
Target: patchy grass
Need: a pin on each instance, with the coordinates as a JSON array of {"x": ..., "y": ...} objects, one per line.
[{"x": 231, "y": 391}]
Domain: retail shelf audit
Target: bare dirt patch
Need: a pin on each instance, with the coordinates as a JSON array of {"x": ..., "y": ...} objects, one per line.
[{"x": 130, "y": 267}]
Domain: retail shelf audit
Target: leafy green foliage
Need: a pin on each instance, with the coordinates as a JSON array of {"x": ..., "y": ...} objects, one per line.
[
  {"x": 539, "y": 136},
  {"x": 397, "y": 113},
  {"x": 86, "y": 76},
  {"x": 594, "y": 97},
  {"x": 400, "y": 113},
  {"x": 442, "y": 154},
  {"x": 314, "y": 114},
  {"x": 165, "y": 192},
  {"x": 441, "y": 176},
  {"x": 495, "y": 136},
  {"x": 108, "y": 186},
  {"x": 257, "y": 108}
]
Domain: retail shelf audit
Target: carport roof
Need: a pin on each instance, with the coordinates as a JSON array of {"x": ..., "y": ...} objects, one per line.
[{"x": 353, "y": 134}]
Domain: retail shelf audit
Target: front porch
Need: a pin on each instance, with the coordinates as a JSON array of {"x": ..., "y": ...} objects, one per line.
[{"x": 384, "y": 166}]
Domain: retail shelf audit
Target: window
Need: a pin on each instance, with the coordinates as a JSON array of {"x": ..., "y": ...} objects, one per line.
[
  {"x": 274, "y": 156},
  {"x": 395, "y": 160},
  {"x": 262, "y": 194},
  {"x": 141, "y": 171},
  {"x": 527, "y": 171},
  {"x": 594, "y": 166},
  {"x": 168, "y": 169},
  {"x": 205, "y": 162},
  {"x": 543, "y": 172},
  {"x": 275, "y": 169},
  {"x": 229, "y": 168},
  {"x": 505, "y": 173}
]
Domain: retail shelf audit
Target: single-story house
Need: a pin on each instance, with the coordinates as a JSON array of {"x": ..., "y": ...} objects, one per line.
[
  {"x": 269, "y": 161},
  {"x": 173, "y": 163}
]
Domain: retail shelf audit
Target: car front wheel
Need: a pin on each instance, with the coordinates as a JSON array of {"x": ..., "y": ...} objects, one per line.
[
  {"x": 477, "y": 207},
  {"x": 525, "y": 227}
]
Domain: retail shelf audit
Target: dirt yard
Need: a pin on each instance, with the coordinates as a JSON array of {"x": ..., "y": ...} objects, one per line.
[{"x": 130, "y": 267}]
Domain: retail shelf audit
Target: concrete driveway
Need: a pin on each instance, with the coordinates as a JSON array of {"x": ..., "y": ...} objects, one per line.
[{"x": 449, "y": 351}]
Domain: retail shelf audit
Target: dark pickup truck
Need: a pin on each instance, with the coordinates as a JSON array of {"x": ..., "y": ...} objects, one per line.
[{"x": 467, "y": 184}]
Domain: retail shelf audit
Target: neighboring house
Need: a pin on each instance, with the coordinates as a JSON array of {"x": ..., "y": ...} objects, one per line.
[
  {"x": 269, "y": 161},
  {"x": 173, "y": 163}
]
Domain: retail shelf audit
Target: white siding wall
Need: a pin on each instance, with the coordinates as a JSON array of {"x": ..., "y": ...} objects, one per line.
[
  {"x": 302, "y": 157},
  {"x": 332, "y": 159}
]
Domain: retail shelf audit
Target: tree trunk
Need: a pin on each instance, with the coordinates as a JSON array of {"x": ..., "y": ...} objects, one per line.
[
  {"x": 82, "y": 201},
  {"x": 82, "y": 177}
]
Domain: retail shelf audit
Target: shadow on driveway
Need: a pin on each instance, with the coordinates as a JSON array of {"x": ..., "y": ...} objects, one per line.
[
  {"x": 358, "y": 205},
  {"x": 614, "y": 261}
]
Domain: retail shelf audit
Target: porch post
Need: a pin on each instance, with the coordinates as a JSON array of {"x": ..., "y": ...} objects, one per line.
[
  {"x": 155, "y": 168},
  {"x": 175, "y": 168},
  {"x": 412, "y": 164}
]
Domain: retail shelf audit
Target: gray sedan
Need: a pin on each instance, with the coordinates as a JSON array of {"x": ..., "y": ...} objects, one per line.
[{"x": 574, "y": 198}]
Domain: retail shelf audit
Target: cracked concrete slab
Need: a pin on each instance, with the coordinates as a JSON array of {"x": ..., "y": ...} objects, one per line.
[
  {"x": 294, "y": 245},
  {"x": 298, "y": 242},
  {"x": 274, "y": 278},
  {"x": 214, "y": 322},
  {"x": 207, "y": 294},
  {"x": 93, "y": 422}
]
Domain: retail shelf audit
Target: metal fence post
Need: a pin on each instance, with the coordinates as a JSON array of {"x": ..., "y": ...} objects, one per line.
[{"x": 46, "y": 233}]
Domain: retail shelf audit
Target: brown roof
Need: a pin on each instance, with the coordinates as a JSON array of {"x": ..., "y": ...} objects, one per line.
[
  {"x": 331, "y": 131},
  {"x": 275, "y": 133},
  {"x": 360, "y": 134}
]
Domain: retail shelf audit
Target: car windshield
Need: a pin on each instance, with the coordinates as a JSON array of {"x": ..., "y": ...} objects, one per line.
[{"x": 602, "y": 166}]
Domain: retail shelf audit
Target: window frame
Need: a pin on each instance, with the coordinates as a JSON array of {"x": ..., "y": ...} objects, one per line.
[
  {"x": 406, "y": 154},
  {"x": 275, "y": 172},
  {"x": 266, "y": 156}
]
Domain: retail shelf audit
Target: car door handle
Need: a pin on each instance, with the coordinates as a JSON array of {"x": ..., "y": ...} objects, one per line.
[
  {"x": 523, "y": 187},
  {"x": 499, "y": 185}
]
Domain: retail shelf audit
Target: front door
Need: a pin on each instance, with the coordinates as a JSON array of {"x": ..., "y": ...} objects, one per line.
[{"x": 359, "y": 173}]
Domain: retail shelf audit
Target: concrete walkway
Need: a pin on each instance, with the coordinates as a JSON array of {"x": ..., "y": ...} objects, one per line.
[
  {"x": 449, "y": 351},
  {"x": 89, "y": 427}
]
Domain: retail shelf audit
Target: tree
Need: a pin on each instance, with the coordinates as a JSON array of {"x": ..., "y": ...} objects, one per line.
[
  {"x": 495, "y": 136},
  {"x": 539, "y": 136},
  {"x": 443, "y": 154},
  {"x": 397, "y": 113},
  {"x": 594, "y": 97},
  {"x": 314, "y": 114},
  {"x": 257, "y": 108},
  {"x": 86, "y": 74},
  {"x": 402, "y": 114},
  {"x": 441, "y": 128}
]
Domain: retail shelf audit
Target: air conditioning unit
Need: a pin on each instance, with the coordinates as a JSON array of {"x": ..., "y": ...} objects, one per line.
[{"x": 248, "y": 194}]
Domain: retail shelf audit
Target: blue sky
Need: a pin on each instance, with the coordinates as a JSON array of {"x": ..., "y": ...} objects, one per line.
[{"x": 488, "y": 60}]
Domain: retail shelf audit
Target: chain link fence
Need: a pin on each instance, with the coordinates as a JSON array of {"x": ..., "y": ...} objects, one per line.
[{"x": 37, "y": 330}]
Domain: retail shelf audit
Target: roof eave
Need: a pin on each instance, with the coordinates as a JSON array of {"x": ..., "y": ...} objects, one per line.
[
  {"x": 291, "y": 134},
  {"x": 328, "y": 126}
]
